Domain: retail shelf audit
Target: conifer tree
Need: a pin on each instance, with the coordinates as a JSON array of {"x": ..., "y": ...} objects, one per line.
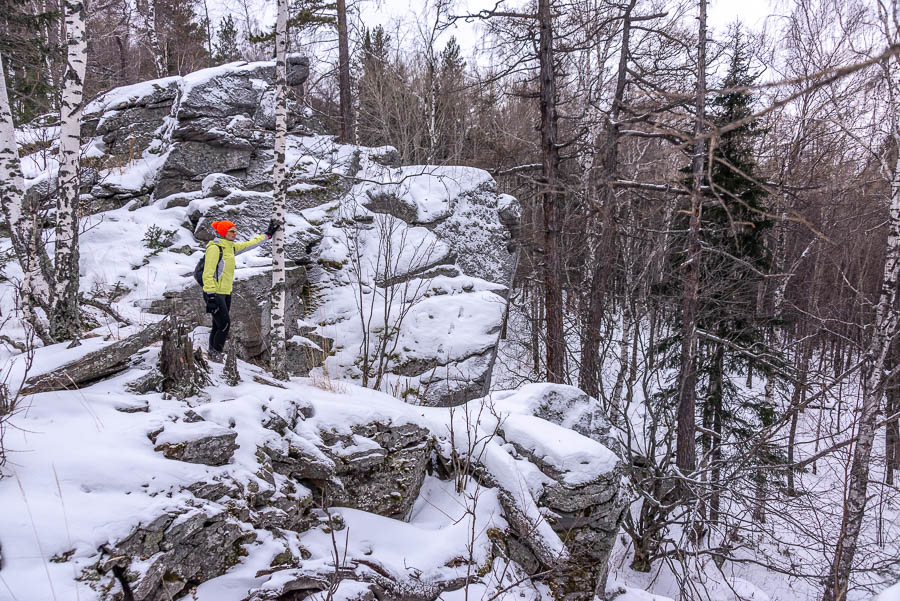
[
  {"x": 30, "y": 57},
  {"x": 226, "y": 47}
]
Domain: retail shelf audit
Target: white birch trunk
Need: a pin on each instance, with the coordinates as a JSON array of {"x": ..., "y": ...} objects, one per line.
[
  {"x": 64, "y": 316},
  {"x": 159, "y": 62},
  {"x": 883, "y": 332},
  {"x": 19, "y": 216},
  {"x": 278, "y": 335}
]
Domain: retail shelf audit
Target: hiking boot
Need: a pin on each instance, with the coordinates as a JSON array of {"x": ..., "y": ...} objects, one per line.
[{"x": 215, "y": 356}]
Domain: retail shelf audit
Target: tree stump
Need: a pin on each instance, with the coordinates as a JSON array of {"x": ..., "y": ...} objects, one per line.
[
  {"x": 183, "y": 368},
  {"x": 232, "y": 376}
]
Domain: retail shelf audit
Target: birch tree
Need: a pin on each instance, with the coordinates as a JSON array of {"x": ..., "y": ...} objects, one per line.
[
  {"x": 20, "y": 216},
  {"x": 278, "y": 335},
  {"x": 148, "y": 10},
  {"x": 64, "y": 315},
  {"x": 883, "y": 331}
]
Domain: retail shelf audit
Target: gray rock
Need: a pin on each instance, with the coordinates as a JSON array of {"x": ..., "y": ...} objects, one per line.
[
  {"x": 385, "y": 475},
  {"x": 183, "y": 551},
  {"x": 206, "y": 444},
  {"x": 297, "y": 69},
  {"x": 483, "y": 251},
  {"x": 189, "y": 162},
  {"x": 233, "y": 92},
  {"x": 130, "y": 123},
  {"x": 219, "y": 184},
  {"x": 586, "y": 516}
]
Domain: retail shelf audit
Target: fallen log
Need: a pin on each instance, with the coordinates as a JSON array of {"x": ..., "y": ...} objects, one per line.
[{"x": 99, "y": 364}]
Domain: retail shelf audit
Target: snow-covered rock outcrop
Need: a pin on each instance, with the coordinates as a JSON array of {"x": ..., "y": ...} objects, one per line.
[
  {"x": 399, "y": 273},
  {"x": 263, "y": 489}
]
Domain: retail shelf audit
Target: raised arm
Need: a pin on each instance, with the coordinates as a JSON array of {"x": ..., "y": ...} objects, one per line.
[{"x": 240, "y": 247}]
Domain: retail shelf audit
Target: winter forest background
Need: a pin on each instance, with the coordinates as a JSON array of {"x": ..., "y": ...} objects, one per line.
[{"x": 708, "y": 245}]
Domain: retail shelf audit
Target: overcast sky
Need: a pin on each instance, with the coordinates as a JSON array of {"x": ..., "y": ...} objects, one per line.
[{"x": 387, "y": 13}]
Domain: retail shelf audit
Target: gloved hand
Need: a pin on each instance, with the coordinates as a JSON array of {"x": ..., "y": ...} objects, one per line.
[
  {"x": 273, "y": 227},
  {"x": 211, "y": 305}
]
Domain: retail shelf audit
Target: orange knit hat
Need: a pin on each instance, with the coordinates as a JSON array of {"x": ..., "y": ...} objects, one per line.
[{"x": 222, "y": 227}]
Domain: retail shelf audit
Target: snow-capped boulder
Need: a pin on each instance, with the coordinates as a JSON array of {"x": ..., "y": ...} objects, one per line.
[
  {"x": 379, "y": 467},
  {"x": 196, "y": 442},
  {"x": 158, "y": 561}
]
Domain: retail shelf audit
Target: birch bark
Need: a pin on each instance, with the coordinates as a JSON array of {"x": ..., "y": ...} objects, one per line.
[
  {"x": 159, "y": 62},
  {"x": 64, "y": 316},
  {"x": 884, "y": 331},
  {"x": 21, "y": 217},
  {"x": 278, "y": 335}
]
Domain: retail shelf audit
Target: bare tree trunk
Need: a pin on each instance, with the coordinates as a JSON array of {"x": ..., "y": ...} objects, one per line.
[
  {"x": 182, "y": 366},
  {"x": 716, "y": 379},
  {"x": 278, "y": 355},
  {"x": 21, "y": 217},
  {"x": 796, "y": 400},
  {"x": 884, "y": 330},
  {"x": 65, "y": 322},
  {"x": 209, "y": 47},
  {"x": 347, "y": 131},
  {"x": 551, "y": 199},
  {"x": 685, "y": 455},
  {"x": 603, "y": 257}
]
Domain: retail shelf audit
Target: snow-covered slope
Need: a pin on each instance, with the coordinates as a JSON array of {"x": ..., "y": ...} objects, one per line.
[{"x": 259, "y": 486}]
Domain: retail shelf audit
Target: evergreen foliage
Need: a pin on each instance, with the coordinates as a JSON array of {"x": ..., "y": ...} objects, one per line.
[
  {"x": 226, "y": 48},
  {"x": 27, "y": 54},
  {"x": 734, "y": 262},
  {"x": 184, "y": 34}
]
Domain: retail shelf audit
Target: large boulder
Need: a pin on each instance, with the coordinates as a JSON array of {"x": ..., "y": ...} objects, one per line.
[
  {"x": 583, "y": 499},
  {"x": 216, "y": 120},
  {"x": 380, "y": 467},
  {"x": 131, "y": 118}
]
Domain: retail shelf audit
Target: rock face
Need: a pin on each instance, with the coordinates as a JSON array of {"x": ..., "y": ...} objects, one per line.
[
  {"x": 177, "y": 551},
  {"x": 380, "y": 467},
  {"x": 379, "y": 242},
  {"x": 211, "y": 121},
  {"x": 197, "y": 443},
  {"x": 585, "y": 510}
]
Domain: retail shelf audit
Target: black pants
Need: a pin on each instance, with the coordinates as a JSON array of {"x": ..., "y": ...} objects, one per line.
[{"x": 221, "y": 321}]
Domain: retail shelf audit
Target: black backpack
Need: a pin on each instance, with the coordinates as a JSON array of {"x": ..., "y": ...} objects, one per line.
[{"x": 201, "y": 264}]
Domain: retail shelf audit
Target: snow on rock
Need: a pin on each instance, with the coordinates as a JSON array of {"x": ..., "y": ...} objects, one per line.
[
  {"x": 404, "y": 268},
  {"x": 100, "y": 496}
]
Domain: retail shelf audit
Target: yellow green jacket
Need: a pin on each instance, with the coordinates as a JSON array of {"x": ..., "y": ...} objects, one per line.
[{"x": 218, "y": 277}]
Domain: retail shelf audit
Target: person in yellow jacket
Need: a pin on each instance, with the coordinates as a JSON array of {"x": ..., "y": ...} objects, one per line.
[{"x": 218, "y": 279}]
